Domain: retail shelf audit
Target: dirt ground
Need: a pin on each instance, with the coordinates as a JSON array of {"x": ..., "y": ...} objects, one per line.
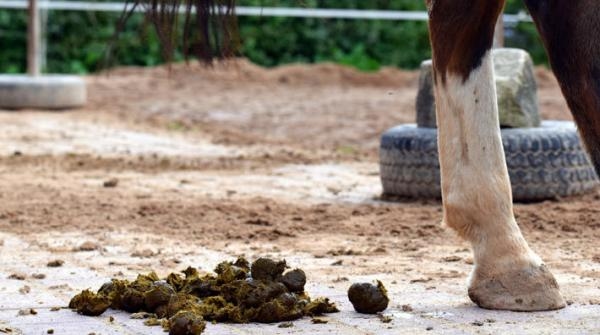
[{"x": 213, "y": 163}]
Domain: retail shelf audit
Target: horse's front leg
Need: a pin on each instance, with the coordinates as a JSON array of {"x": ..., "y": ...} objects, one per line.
[{"x": 476, "y": 191}]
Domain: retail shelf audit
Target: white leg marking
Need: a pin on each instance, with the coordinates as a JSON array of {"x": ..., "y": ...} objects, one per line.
[{"x": 475, "y": 183}]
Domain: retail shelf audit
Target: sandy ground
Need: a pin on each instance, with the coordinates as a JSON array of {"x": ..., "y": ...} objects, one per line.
[{"x": 211, "y": 164}]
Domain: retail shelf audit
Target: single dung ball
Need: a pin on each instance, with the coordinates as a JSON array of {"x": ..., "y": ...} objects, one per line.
[
  {"x": 186, "y": 323},
  {"x": 89, "y": 303},
  {"x": 180, "y": 302},
  {"x": 132, "y": 300},
  {"x": 294, "y": 280},
  {"x": 267, "y": 269},
  {"x": 368, "y": 298},
  {"x": 159, "y": 294}
]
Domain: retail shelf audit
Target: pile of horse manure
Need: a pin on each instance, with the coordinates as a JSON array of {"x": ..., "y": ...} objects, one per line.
[
  {"x": 368, "y": 298},
  {"x": 239, "y": 293}
]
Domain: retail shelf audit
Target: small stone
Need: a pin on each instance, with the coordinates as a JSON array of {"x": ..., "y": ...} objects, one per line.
[
  {"x": 340, "y": 279},
  {"x": 407, "y": 308},
  {"x": 477, "y": 323},
  {"x": 38, "y": 276},
  {"x": 27, "y": 311},
  {"x": 56, "y": 263},
  {"x": 17, "y": 276},
  {"x": 60, "y": 287},
  {"x": 420, "y": 280},
  {"x": 286, "y": 325},
  {"x": 25, "y": 289},
  {"x": 50, "y": 331},
  {"x": 88, "y": 246},
  {"x": 113, "y": 182},
  {"x": 380, "y": 250},
  {"x": 141, "y": 315},
  {"x": 384, "y": 318},
  {"x": 318, "y": 321},
  {"x": 146, "y": 253}
]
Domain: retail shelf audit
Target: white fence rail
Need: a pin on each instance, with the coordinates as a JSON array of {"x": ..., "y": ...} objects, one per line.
[
  {"x": 259, "y": 11},
  {"x": 36, "y": 47}
]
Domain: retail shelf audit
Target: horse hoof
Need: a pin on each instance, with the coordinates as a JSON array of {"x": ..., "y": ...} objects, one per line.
[{"x": 532, "y": 288}]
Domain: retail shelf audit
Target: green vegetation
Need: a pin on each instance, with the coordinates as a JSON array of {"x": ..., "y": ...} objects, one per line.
[{"x": 77, "y": 41}]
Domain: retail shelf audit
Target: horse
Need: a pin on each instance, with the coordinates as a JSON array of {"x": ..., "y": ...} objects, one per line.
[{"x": 476, "y": 193}]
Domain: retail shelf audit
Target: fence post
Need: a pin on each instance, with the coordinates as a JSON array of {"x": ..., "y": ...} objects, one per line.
[{"x": 33, "y": 39}]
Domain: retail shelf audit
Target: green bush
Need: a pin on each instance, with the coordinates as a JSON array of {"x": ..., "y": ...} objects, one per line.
[{"x": 77, "y": 41}]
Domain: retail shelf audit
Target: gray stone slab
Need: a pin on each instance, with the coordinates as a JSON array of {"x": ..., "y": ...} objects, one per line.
[{"x": 516, "y": 89}]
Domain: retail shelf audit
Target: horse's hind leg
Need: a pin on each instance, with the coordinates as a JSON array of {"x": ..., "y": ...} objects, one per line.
[
  {"x": 476, "y": 190},
  {"x": 571, "y": 34}
]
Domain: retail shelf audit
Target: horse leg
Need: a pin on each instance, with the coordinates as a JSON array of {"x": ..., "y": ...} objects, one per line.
[
  {"x": 476, "y": 191},
  {"x": 571, "y": 33}
]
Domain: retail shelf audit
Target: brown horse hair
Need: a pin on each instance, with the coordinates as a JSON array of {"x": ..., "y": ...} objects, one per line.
[
  {"x": 571, "y": 34},
  {"x": 469, "y": 25}
]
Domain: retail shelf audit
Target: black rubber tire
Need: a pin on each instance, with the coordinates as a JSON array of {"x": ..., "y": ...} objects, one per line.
[{"x": 544, "y": 163}]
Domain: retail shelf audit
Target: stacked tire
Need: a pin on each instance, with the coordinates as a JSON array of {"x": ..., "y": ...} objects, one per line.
[{"x": 543, "y": 162}]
